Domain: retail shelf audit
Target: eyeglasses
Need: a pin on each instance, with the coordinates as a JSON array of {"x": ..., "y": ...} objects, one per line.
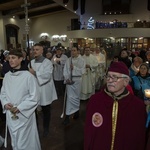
[{"x": 114, "y": 78}]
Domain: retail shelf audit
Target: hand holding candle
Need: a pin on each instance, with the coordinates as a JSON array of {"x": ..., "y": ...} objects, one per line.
[{"x": 147, "y": 93}]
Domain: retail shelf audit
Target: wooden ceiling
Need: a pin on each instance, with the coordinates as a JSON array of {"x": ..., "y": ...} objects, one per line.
[{"x": 36, "y": 7}]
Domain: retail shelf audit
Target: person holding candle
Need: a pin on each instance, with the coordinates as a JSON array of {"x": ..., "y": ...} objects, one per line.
[
  {"x": 147, "y": 93},
  {"x": 141, "y": 81},
  {"x": 140, "y": 84},
  {"x": 115, "y": 118}
]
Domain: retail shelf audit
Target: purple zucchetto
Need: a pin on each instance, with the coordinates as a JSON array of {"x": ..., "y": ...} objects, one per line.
[{"x": 119, "y": 67}]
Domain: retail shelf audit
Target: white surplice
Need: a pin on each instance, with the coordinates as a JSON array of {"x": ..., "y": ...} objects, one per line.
[
  {"x": 88, "y": 79},
  {"x": 44, "y": 75},
  {"x": 58, "y": 67},
  {"x": 74, "y": 90},
  {"x": 20, "y": 89},
  {"x": 100, "y": 70}
]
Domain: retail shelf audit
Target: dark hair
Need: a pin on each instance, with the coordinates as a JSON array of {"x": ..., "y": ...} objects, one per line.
[
  {"x": 16, "y": 52},
  {"x": 59, "y": 48},
  {"x": 116, "y": 56},
  {"x": 86, "y": 47},
  {"x": 38, "y": 44},
  {"x": 76, "y": 48},
  {"x": 146, "y": 65}
]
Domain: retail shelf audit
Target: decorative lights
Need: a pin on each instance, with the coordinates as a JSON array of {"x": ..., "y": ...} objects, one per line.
[
  {"x": 57, "y": 38},
  {"x": 90, "y": 24},
  {"x": 44, "y": 35},
  {"x": 63, "y": 38}
]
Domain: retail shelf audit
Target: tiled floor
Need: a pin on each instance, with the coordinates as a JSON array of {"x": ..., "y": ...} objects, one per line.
[{"x": 61, "y": 137}]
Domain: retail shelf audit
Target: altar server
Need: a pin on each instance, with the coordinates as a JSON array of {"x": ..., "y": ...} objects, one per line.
[{"x": 19, "y": 98}]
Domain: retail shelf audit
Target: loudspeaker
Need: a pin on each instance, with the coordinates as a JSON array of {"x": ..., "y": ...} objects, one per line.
[
  {"x": 75, "y": 24},
  {"x": 148, "y": 5}
]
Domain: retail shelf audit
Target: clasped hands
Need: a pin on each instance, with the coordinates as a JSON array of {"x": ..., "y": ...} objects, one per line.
[{"x": 10, "y": 107}]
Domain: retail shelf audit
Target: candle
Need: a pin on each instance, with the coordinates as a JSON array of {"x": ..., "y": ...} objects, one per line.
[{"x": 147, "y": 93}]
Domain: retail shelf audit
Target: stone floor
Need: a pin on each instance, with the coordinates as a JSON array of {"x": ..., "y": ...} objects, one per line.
[{"x": 61, "y": 137}]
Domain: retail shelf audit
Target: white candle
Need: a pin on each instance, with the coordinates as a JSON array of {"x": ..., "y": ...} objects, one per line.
[{"x": 147, "y": 93}]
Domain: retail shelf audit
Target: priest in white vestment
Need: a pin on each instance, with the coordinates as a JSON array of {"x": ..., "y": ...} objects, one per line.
[
  {"x": 19, "y": 98},
  {"x": 100, "y": 70},
  {"x": 73, "y": 71},
  {"x": 88, "y": 78}
]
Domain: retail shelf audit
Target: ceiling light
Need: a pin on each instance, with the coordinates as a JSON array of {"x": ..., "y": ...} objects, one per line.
[
  {"x": 140, "y": 38},
  {"x": 44, "y": 35}
]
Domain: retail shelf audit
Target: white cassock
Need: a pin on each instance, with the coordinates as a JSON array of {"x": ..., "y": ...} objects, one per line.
[
  {"x": 88, "y": 79},
  {"x": 20, "y": 89},
  {"x": 44, "y": 75},
  {"x": 100, "y": 70},
  {"x": 58, "y": 68},
  {"x": 74, "y": 90}
]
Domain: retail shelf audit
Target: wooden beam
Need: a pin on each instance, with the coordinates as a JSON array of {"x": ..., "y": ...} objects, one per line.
[
  {"x": 45, "y": 11},
  {"x": 32, "y": 6},
  {"x": 6, "y": 1}
]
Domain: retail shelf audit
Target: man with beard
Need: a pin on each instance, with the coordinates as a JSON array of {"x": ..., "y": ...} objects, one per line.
[{"x": 42, "y": 69}]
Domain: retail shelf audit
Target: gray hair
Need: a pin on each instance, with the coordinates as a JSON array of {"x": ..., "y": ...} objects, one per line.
[{"x": 126, "y": 76}]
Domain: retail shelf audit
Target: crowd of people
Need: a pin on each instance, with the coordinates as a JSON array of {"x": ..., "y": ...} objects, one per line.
[
  {"x": 117, "y": 114},
  {"x": 118, "y": 117}
]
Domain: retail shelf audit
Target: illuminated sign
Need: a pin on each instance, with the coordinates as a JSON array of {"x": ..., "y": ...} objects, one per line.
[{"x": 91, "y": 23}]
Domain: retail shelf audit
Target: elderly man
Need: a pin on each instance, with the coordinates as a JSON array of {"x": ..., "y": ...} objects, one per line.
[
  {"x": 88, "y": 79},
  {"x": 115, "y": 119}
]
